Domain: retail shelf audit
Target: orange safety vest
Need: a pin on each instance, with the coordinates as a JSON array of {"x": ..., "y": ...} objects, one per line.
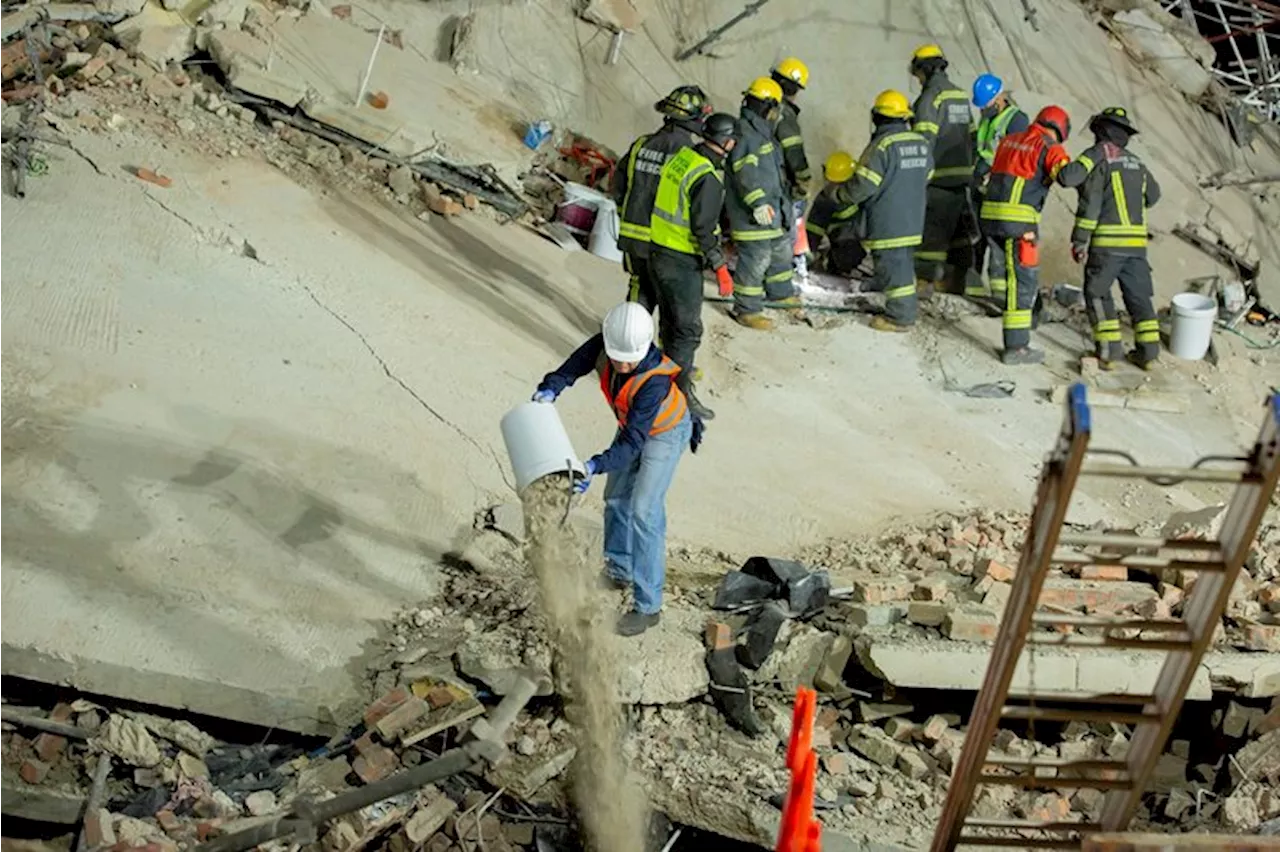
[{"x": 673, "y": 407}]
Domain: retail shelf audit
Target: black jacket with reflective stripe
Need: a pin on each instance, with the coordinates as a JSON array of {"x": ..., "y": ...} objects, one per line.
[
  {"x": 889, "y": 186},
  {"x": 635, "y": 184},
  {"x": 942, "y": 115},
  {"x": 794, "y": 159},
  {"x": 755, "y": 178},
  {"x": 1111, "y": 217}
]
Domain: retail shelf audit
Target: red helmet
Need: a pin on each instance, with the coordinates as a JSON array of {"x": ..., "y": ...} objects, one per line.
[{"x": 1055, "y": 117}]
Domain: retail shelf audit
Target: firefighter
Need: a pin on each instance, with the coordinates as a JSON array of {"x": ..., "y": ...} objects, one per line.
[
  {"x": 759, "y": 208},
  {"x": 792, "y": 76},
  {"x": 829, "y": 220},
  {"x": 943, "y": 117},
  {"x": 635, "y": 182},
  {"x": 1025, "y": 166},
  {"x": 1075, "y": 173},
  {"x": 889, "y": 187},
  {"x": 685, "y": 235},
  {"x": 1110, "y": 236},
  {"x": 998, "y": 116}
]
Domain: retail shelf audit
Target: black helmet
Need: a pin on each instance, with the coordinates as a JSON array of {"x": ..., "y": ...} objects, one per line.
[
  {"x": 1119, "y": 116},
  {"x": 720, "y": 128},
  {"x": 684, "y": 102}
]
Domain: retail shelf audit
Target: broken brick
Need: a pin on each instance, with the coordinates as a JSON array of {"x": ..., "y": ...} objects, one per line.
[
  {"x": 385, "y": 705},
  {"x": 934, "y": 729},
  {"x": 92, "y": 68},
  {"x": 911, "y": 764},
  {"x": 971, "y": 624},
  {"x": 878, "y": 590},
  {"x": 153, "y": 177},
  {"x": 443, "y": 205},
  {"x": 1262, "y": 637},
  {"x": 208, "y": 828},
  {"x": 994, "y": 569},
  {"x": 997, "y": 596},
  {"x": 1049, "y": 807},
  {"x": 33, "y": 771},
  {"x": 49, "y": 747},
  {"x": 98, "y": 831},
  {"x": 440, "y": 696},
  {"x": 401, "y": 717},
  {"x": 1104, "y": 572},
  {"x": 900, "y": 729},
  {"x": 927, "y": 613},
  {"x": 933, "y": 588},
  {"x": 1103, "y": 597},
  {"x": 375, "y": 764},
  {"x": 168, "y": 821},
  {"x": 718, "y": 636},
  {"x": 470, "y": 201}
]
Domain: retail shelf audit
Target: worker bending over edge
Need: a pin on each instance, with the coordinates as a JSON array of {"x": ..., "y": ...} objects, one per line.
[
  {"x": 889, "y": 187},
  {"x": 685, "y": 234},
  {"x": 836, "y": 224},
  {"x": 635, "y": 183},
  {"x": 1110, "y": 236},
  {"x": 654, "y": 427}
]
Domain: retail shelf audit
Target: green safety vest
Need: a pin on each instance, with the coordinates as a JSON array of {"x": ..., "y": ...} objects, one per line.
[
  {"x": 669, "y": 224},
  {"x": 992, "y": 130}
]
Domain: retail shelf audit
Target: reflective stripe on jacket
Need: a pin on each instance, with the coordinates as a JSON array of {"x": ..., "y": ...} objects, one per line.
[
  {"x": 754, "y": 177},
  {"x": 992, "y": 129},
  {"x": 635, "y": 184},
  {"x": 686, "y": 210},
  {"x": 1025, "y": 166},
  {"x": 942, "y": 116},
  {"x": 889, "y": 187},
  {"x": 826, "y": 217},
  {"x": 794, "y": 159},
  {"x": 1111, "y": 217},
  {"x": 1077, "y": 171},
  {"x": 673, "y": 409}
]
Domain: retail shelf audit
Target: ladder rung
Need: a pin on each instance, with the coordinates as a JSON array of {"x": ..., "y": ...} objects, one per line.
[
  {"x": 1065, "y": 697},
  {"x": 1092, "y": 714},
  {"x": 1138, "y": 560},
  {"x": 1186, "y": 474},
  {"x": 1134, "y": 542},
  {"x": 1031, "y": 825},
  {"x": 1034, "y": 763},
  {"x": 1059, "y": 782},
  {"x": 1019, "y": 842},
  {"x": 1052, "y": 619},
  {"x": 1072, "y": 640}
]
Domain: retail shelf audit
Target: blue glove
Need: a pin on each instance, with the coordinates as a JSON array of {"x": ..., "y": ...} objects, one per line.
[
  {"x": 580, "y": 486},
  {"x": 544, "y": 396}
]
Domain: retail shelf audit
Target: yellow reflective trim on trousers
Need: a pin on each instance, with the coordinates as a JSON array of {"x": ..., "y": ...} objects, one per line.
[
  {"x": 749, "y": 159},
  {"x": 1086, "y": 224},
  {"x": 1017, "y": 319},
  {"x": 755, "y": 236},
  {"x": 778, "y": 276},
  {"x": 1003, "y": 211},
  {"x": 865, "y": 172},
  {"x": 791, "y": 141},
  {"x": 1016, "y": 196},
  {"x": 953, "y": 171},
  {"x": 1010, "y": 279},
  {"x": 753, "y": 196},
  {"x": 1146, "y": 337},
  {"x": 634, "y": 231},
  {"x": 901, "y": 292},
  {"x": 1146, "y": 325},
  {"x": 1107, "y": 324},
  {"x": 815, "y": 229},
  {"x": 1118, "y": 242},
  {"x": 1106, "y": 336},
  {"x": 766, "y": 148},
  {"x": 931, "y": 255},
  {"x": 925, "y": 127},
  {"x": 1122, "y": 230},
  {"x": 747, "y": 291},
  {"x": 891, "y": 243},
  {"x": 1122, "y": 204}
]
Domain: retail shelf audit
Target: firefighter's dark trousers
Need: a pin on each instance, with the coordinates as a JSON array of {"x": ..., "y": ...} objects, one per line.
[
  {"x": 895, "y": 276},
  {"x": 641, "y": 288},
  {"x": 1101, "y": 270},
  {"x": 1015, "y": 291},
  {"x": 678, "y": 279},
  {"x": 764, "y": 271},
  {"x": 947, "y": 248}
]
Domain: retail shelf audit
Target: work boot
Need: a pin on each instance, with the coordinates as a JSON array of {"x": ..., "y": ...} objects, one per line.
[
  {"x": 758, "y": 321},
  {"x": 695, "y": 404},
  {"x": 634, "y": 623},
  {"x": 879, "y": 322},
  {"x": 609, "y": 583},
  {"x": 1138, "y": 361},
  {"x": 792, "y": 305},
  {"x": 1022, "y": 356}
]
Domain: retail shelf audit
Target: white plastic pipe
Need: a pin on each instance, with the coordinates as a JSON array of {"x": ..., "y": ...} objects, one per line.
[{"x": 537, "y": 443}]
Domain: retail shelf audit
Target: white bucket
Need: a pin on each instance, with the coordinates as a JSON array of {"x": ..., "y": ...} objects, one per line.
[
  {"x": 604, "y": 234},
  {"x": 537, "y": 443},
  {"x": 1193, "y": 318}
]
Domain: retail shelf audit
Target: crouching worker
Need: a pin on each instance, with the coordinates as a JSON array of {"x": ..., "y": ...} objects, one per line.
[{"x": 654, "y": 427}]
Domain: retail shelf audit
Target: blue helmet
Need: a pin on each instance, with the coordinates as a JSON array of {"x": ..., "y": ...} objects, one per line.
[{"x": 986, "y": 89}]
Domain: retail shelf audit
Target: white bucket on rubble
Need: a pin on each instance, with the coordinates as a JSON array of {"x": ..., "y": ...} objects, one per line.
[
  {"x": 1193, "y": 318},
  {"x": 604, "y": 233},
  {"x": 537, "y": 443}
]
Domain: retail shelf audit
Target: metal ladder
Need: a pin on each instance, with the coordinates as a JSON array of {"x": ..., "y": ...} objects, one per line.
[{"x": 1122, "y": 781}]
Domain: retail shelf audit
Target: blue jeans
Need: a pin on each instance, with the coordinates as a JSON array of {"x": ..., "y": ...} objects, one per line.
[{"x": 635, "y": 516}]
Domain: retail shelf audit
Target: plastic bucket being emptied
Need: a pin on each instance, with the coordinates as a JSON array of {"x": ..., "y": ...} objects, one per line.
[
  {"x": 537, "y": 444},
  {"x": 1193, "y": 318}
]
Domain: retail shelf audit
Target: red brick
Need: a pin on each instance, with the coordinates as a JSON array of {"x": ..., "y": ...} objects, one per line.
[
  {"x": 375, "y": 764},
  {"x": 33, "y": 771},
  {"x": 971, "y": 624},
  {"x": 168, "y": 820},
  {"x": 61, "y": 712},
  {"x": 365, "y": 743},
  {"x": 97, "y": 829},
  {"x": 385, "y": 705},
  {"x": 1106, "y": 597},
  {"x": 1262, "y": 637},
  {"x": 440, "y": 696},
  {"x": 208, "y": 828},
  {"x": 1049, "y": 808},
  {"x": 91, "y": 68},
  {"x": 718, "y": 636},
  {"x": 997, "y": 571},
  {"x": 1104, "y": 572},
  {"x": 879, "y": 590},
  {"x": 402, "y": 717},
  {"x": 470, "y": 202},
  {"x": 49, "y": 747}
]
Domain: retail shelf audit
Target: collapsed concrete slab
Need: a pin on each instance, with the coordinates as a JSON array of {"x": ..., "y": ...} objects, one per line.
[
  {"x": 249, "y": 65},
  {"x": 157, "y": 36},
  {"x": 1180, "y": 57}
]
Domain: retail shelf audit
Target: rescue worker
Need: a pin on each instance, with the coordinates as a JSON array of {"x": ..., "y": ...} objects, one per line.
[
  {"x": 942, "y": 116},
  {"x": 829, "y": 220},
  {"x": 889, "y": 186},
  {"x": 685, "y": 234},
  {"x": 998, "y": 116},
  {"x": 635, "y": 182},
  {"x": 1110, "y": 236},
  {"x": 759, "y": 209},
  {"x": 792, "y": 76},
  {"x": 654, "y": 427},
  {"x": 1025, "y": 166}
]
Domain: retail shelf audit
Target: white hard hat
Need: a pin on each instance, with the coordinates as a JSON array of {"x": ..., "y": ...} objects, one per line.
[{"x": 628, "y": 331}]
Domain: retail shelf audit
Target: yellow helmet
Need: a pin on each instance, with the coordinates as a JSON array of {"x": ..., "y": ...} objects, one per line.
[
  {"x": 892, "y": 104},
  {"x": 927, "y": 51},
  {"x": 765, "y": 89},
  {"x": 839, "y": 167},
  {"x": 794, "y": 70}
]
